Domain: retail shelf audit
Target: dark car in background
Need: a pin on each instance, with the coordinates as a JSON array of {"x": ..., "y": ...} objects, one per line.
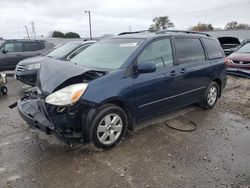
[
  {"x": 118, "y": 82},
  {"x": 13, "y": 51},
  {"x": 229, "y": 44},
  {"x": 26, "y": 70},
  {"x": 239, "y": 62}
]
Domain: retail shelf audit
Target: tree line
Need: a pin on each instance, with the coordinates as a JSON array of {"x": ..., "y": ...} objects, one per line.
[
  {"x": 163, "y": 22},
  {"x": 59, "y": 34}
]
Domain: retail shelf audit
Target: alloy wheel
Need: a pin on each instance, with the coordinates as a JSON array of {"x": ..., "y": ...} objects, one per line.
[
  {"x": 212, "y": 96},
  {"x": 109, "y": 129}
]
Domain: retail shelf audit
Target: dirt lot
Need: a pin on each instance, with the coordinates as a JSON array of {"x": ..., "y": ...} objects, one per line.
[{"x": 216, "y": 154}]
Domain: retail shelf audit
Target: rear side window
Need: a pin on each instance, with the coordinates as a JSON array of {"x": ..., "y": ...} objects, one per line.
[
  {"x": 159, "y": 52},
  {"x": 33, "y": 46},
  {"x": 213, "y": 49},
  {"x": 189, "y": 50}
]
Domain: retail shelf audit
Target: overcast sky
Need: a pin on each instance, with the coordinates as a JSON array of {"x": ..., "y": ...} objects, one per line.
[{"x": 114, "y": 16}]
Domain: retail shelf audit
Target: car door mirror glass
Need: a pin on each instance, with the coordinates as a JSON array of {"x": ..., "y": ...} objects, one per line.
[{"x": 146, "y": 67}]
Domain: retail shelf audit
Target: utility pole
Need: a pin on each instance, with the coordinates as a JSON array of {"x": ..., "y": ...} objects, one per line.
[
  {"x": 27, "y": 30},
  {"x": 90, "y": 30},
  {"x": 33, "y": 30}
]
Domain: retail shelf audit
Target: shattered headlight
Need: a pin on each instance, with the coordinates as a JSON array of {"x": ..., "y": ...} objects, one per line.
[
  {"x": 67, "y": 96},
  {"x": 33, "y": 66}
]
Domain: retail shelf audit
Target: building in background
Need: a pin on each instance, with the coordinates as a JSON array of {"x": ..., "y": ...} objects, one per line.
[{"x": 241, "y": 34}]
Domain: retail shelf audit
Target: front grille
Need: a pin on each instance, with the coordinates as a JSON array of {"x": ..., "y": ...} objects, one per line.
[
  {"x": 19, "y": 69},
  {"x": 240, "y": 62}
]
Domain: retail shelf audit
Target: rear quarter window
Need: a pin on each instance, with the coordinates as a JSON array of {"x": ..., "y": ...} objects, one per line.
[
  {"x": 33, "y": 46},
  {"x": 189, "y": 50},
  {"x": 213, "y": 49}
]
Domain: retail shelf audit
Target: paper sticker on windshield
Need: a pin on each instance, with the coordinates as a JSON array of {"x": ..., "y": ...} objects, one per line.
[{"x": 124, "y": 45}]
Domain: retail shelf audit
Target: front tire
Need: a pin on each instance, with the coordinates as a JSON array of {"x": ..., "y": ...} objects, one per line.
[
  {"x": 210, "y": 97},
  {"x": 109, "y": 126}
]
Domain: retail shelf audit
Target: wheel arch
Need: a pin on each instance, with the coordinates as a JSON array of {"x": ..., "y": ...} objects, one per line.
[
  {"x": 218, "y": 81},
  {"x": 128, "y": 109}
]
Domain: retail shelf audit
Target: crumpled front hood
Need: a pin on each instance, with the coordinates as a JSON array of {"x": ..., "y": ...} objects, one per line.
[
  {"x": 31, "y": 60},
  {"x": 55, "y": 72}
]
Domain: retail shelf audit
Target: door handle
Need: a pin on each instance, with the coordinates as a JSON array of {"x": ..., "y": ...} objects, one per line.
[
  {"x": 18, "y": 55},
  {"x": 173, "y": 73},
  {"x": 183, "y": 70}
]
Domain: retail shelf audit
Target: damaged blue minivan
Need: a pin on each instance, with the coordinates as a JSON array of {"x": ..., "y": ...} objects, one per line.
[{"x": 118, "y": 82}]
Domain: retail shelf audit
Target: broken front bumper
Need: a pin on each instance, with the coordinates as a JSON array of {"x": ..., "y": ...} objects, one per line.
[
  {"x": 35, "y": 114},
  {"x": 66, "y": 125}
]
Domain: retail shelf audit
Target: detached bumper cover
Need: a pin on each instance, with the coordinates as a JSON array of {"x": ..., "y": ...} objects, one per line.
[
  {"x": 35, "y": 114},
  {"x": 239, "y": 72}
]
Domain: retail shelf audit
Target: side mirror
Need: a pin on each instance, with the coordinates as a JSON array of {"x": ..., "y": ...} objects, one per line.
[
  {"x": 4, "y": 51},
  {"x": 146, "y": 67}
]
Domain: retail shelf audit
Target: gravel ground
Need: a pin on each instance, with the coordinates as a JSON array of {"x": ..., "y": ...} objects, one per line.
[
  {"x": 216, "y": 154},
  {"x": 236, "y": 97}
]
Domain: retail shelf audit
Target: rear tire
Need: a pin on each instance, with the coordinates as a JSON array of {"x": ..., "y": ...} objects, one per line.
[
  {"x": 4, "y": 90},
  {"x": 210, "y": 97},
  {"x": 108, "y": 127}
]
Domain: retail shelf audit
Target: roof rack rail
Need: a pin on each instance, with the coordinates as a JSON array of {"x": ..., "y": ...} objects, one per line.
[
  {"x": 181, "y": 31},
  {"x": 29, "y": 39},
  {"x": 134, "y": 32}
]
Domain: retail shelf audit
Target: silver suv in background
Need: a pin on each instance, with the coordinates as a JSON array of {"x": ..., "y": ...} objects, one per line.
[
  {"x": 26, "y": 70},
  {"x": 13, "y": 51}
]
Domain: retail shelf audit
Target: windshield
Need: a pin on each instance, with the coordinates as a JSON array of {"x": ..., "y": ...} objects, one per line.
[
  {"x": 1, "y": 43},
  {"x": 63, "y": 50},
  {"x": 245, "y": 48},
  {"x": 107, "y": 54}
]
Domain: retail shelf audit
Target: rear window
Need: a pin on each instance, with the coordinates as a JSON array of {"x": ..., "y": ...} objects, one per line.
[
  {"x": 213, "y": 49},
  {"x": 189, "y": 50},
  {"x": 33, "y": 46}
]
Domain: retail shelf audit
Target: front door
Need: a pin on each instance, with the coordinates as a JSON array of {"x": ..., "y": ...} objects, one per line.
[{"x": 154, "y": 90}]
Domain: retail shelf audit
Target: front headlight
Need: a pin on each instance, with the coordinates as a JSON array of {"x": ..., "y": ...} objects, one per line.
[
  {"x": 67, "y": 96},
  {"x": 33, "y": 66}
]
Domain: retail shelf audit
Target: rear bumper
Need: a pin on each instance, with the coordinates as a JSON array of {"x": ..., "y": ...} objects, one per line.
[{"x": 228, "y": 52}]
